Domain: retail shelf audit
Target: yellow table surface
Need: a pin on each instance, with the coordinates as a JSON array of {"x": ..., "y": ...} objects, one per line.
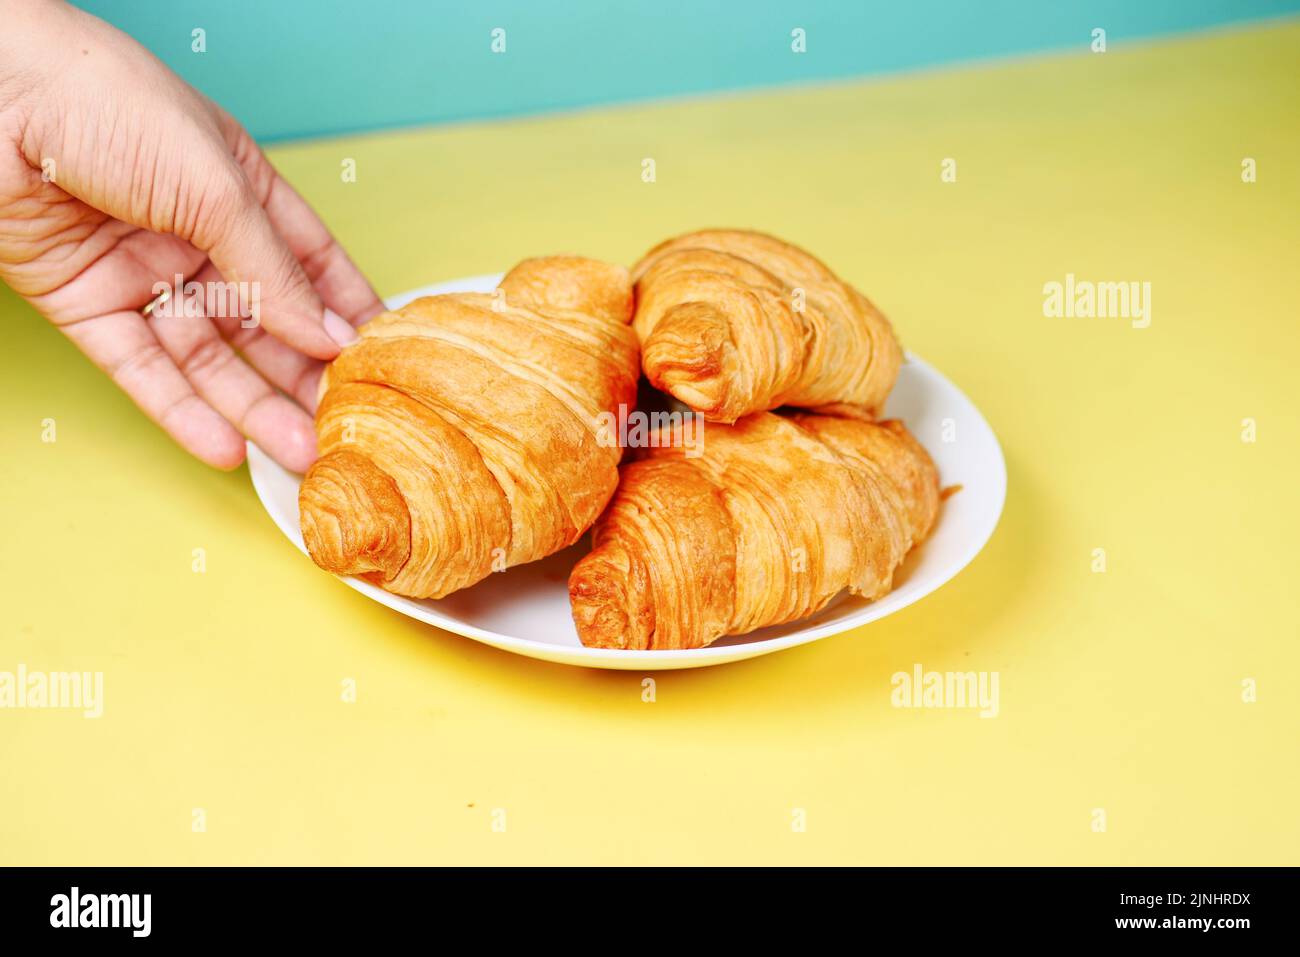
[{"x": 1120, "y": 690}]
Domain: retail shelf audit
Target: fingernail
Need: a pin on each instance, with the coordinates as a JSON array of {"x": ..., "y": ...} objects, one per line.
[{"x": 339, "y": 329}]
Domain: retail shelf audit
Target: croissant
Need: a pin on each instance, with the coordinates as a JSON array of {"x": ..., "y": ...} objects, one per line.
[
  {"x": 733, "y": 322},
  {"x": 774, "y": 517},
  {"x": 466, "y": 433}
]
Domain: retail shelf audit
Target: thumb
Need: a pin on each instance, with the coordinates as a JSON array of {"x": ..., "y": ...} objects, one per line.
[{"x": 245, "y": 247}]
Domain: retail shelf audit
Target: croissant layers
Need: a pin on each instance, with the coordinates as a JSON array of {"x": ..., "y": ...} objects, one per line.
[
  {"x": 733, "y": 322},
  {"x": 775, "y": 517},
  {"x": 462, "y": 434}
]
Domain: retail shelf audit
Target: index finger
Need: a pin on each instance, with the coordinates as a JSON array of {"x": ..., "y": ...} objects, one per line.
[{"x": 332, "y": 272}]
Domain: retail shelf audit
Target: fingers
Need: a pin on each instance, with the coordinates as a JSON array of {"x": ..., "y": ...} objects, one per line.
[
  {"x": 283, "y": 366},
  {"x": 126, "y": 349},
  {"x": 241, "y": 242},
  {"x": 227, "y": 384},
  {"x": 120, "y": 280},
  {"x": 335, "y": 277},
  {"x": 186, "y": 378}
]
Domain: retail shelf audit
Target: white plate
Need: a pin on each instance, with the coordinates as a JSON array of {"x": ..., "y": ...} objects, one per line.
[{"x": 526, "y": 609}]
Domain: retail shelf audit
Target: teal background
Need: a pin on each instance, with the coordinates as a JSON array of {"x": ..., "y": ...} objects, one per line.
[{"x": 293, "y": 68}]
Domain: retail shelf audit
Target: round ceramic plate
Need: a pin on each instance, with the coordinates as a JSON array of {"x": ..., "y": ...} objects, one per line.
[{"x": 526, "y": 609}]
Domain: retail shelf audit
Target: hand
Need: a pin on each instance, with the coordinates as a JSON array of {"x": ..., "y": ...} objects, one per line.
[{"x": 116, "y": 176}]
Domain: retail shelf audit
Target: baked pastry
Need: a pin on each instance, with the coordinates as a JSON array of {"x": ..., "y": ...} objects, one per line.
[
  {"x": 775, "y": 517},
  {"x": 733, "y": 322},
  {"x": 466, "y": 433}
]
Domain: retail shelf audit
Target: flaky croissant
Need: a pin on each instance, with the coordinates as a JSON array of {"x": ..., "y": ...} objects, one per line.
[
  {"x": 464, "y": 433},
  {"x": 774, "y": 518},
  {"x": 733, "y": 322}
]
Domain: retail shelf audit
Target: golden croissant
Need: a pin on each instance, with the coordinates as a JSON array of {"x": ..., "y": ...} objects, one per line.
[
  {"x": 733, "y": 322},
  {"x": 466, "y": 433},
  {"x": 773, "y": 519}
]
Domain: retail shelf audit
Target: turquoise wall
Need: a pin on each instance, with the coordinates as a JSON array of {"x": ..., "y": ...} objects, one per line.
[{"x": 291, "y": 68}]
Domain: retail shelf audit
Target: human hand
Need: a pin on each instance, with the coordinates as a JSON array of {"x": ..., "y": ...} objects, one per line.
[{"x": 115, "y": 177}]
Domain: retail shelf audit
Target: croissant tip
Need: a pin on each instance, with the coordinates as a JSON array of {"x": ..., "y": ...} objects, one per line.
[
  {"x": 603, "y": 600},
  {"x": 354, "y": 519}
]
